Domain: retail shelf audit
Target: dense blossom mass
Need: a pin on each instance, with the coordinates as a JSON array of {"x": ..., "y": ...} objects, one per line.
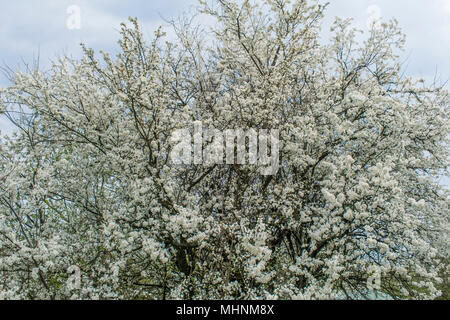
[{"x": 92, "y": 207}]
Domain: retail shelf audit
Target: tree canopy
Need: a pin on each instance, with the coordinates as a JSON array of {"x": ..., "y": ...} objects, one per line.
[{"x": 93, "y": 207}]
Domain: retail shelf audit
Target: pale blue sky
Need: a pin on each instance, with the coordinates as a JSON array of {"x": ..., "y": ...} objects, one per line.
[{"x": 28, "y": 27}]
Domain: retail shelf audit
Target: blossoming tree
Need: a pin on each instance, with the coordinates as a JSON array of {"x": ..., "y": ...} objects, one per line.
[{"x": 92, "y": 207}]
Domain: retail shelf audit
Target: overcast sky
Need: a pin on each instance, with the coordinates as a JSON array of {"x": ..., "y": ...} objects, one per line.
[{"x": 28, "y": 27}]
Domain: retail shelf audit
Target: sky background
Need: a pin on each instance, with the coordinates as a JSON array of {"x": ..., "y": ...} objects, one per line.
[{"x": 29, "y": 28}]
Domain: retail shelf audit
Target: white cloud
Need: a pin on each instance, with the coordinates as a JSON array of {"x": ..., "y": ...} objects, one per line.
[{"x": 446, "y": 6}]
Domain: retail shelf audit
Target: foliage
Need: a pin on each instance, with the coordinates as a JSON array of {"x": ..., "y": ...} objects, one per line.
[{"x": 87, "y": 182}]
